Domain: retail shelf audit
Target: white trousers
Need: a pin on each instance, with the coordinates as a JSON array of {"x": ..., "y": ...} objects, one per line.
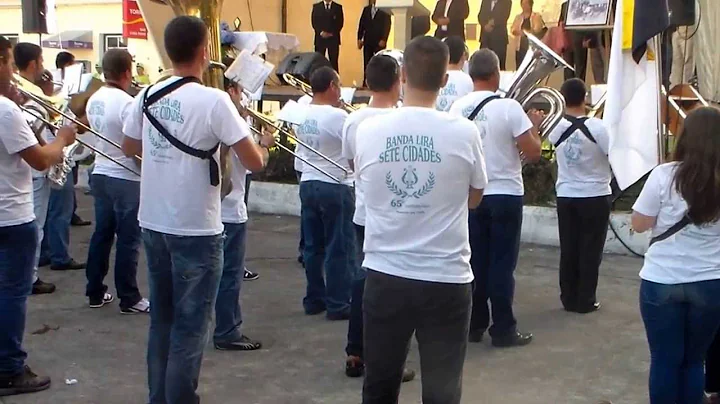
[{"x": 683, "y": 63}]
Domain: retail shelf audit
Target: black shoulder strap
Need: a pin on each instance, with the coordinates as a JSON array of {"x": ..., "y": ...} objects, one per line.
[
  {"x": 575, "y": 124},
  {"x": 482, "y": 105},
  {"x": 684, "y": 222},
  {"x": 148, "y": 101}
]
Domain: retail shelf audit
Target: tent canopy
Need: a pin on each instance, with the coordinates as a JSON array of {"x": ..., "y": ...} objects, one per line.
[{"x": 69, "y": 40}]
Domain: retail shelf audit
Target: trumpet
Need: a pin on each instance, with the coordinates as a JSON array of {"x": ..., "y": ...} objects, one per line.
[
  {"x": 305, "y": 88},
  {"x": 267, "y": 122}
]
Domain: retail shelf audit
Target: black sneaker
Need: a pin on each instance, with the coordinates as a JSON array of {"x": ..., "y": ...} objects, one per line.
[
  {"x": 96, "y": 303},
  {"x": 43, "y": 262},
  {"x": 516, "y": 339},
  {"x": 354, "y": 366},
  {"x": 25, "y": 382},
  {"x": 338, "y": 316},
  {"x": 72, "y": 265},
  {"x": 250, "y": 276},
  {"x": 77, "y": 221},
  {"x": 476, "y": 336},
  {"x": 242, "y": 344},
  {"x": 41, "y": 288},
  {"x": 408, "y": 375}
]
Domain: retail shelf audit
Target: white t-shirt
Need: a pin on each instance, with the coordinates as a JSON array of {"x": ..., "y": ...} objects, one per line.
[
  {"x": 322, "y": 130},
  {"x": 500, "y": 123},
  {"x": 304, "y": 100},
  {"x": 106, "y": 111},
  {"x": 233, "y": 206},
  {"x": 459, "y": 84},
  {"x": 690, "y": 255},
  {"x": 16, "y": 188},
  {"x": 348, "y": 150},
  {"x": 415, "y": 167},
  {"x": 583, "y": 167},
  {"x": 35, "y": 124},
  {"x": 175, "y": 192}
]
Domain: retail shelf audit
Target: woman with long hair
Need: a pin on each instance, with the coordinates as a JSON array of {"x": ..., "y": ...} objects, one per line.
[{"x": 680, "y": 204}]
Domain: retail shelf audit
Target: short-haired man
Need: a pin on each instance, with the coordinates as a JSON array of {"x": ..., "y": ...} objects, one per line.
[
  {"x": 459, "y": 83},
  {"x": 28, "y": 58},
  {"x": 326, "y": 205},
  {"x": 19, "y": 151},
  {"x": 228, "y": 313},
  {"x": 63, "y": 60},
  {"x": 178, "y": 126},
  {"x": 29, "y": 61},
  {"x": 583, "y": 203},
  {"x": 418, "y": 170},
  {"x": 495, "y": 225},
  {"x": 383, "y": 80},
  {"x": 116, "y": 192}
]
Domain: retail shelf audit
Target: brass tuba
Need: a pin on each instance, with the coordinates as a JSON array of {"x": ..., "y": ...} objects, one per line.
[
  {"x": 539, "y": 63},
  {"x": 209, "y": 12}
]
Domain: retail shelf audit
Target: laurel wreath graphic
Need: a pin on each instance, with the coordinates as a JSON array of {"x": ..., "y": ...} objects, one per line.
[{"x": 395, "y": 189}]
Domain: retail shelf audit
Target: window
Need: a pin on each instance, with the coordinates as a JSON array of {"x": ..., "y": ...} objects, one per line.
[
  {"x": 114, "y": 41},
  {"x": 13, "y": 38}
]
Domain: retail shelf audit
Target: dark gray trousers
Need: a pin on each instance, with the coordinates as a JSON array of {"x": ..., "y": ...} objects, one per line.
[{"x": 438, "y": 313}]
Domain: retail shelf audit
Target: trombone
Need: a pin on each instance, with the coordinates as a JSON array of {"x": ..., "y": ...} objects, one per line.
[
  {"x": 49, "y": 105},
  {"x": 266, "y": 121},
  {"x": 56, "y": 127},
  {"x": 305, "y": 88}
]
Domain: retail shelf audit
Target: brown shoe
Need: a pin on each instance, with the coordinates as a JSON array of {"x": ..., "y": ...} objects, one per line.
[{"x": 25, "y": 382}]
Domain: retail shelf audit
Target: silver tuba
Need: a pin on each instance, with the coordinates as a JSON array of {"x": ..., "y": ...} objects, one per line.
[{"x": 539, "y": 63}]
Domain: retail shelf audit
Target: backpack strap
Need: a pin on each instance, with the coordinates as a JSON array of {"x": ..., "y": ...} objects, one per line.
[
  {"x": 575, "y": 124},
  {"x": 674, "y": 229},
  {"x": 148, "y": 101},
  {"x": 482, "y": 105}
]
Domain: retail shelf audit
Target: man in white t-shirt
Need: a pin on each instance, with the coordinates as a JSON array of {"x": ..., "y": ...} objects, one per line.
[
  {"x": 228, "y": 312},
  {"x": 419, "y": 170},
  {"x": 326, "y": 205},
  {"x": 19, "y": 152},
  {"x": 583, "y": 198},
  {"x": 179, "y": 134},
  {"x": 116, "y": 192},
  {"x": 495, "y": 225},
  {"x": 29, "y": 61},
  {"x": 459, "y": 83},
  {"x": 383, "y": 79}
]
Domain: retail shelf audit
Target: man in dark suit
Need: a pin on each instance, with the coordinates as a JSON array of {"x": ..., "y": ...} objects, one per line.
[
  {"x": 450, "y": 16},
  {"x": 373, "y": 31},
  {"x": 493, "y": 19},
  {"x": 576, "y": 54},
  {"x": 327, "y": 21}
]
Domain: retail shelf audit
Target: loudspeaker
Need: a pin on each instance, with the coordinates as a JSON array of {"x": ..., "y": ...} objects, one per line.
[
  {"x": 301, "y": 65},
  {"x": 682, "y": 12},
  {"x": 34, "y": 16}
]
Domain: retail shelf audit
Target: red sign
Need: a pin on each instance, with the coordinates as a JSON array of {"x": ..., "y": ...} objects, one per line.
[{"x": 133, "y": 22}]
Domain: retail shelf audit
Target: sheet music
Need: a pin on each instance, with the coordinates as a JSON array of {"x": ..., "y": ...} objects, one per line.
[
  {"x": 249, "y": 71},
  {"x": 347, "y": 94},
  {"x": 72, "y": 80}
]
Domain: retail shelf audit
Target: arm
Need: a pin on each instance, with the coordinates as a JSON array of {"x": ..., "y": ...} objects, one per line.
[
  {"x": 249, "y": 154},
  {"x": 647, "y": 206},
  {"x": 438, "y": 14},
  {"x": 502, "y": 15},
  {"x": 483, "y": 15},
  {"x": 387, "y": 25},
  {"x": 131, "y": 147},
  {"x": 517, "y": 26},
  {"x": 361, "y": 26},
  {"x": 475, "y": 197},
  {"x": 315, "y": 20},
  {"x": 463, "y": 12},
  {"x": 478, "y": 180},
  {"x": 42, "y": 157},
  {"x": 526, "y": 125},
  {"x": 537, "y": 24},
  {"x": 340, "y": 20}
]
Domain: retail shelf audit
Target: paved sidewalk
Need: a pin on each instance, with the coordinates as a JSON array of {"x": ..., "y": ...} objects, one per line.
[{"x": 581, "y": 359}]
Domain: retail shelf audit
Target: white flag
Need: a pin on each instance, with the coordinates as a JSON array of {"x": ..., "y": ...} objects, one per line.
[{"x": 632, "y": 108}]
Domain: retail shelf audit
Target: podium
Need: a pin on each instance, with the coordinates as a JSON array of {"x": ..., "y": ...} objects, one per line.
[{"x": 403, "y": 11}]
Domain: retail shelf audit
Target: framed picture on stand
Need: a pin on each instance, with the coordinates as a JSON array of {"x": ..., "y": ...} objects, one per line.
[{"x": 589, "y": 15}]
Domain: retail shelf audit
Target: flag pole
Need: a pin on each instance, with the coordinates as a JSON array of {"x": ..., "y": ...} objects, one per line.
[{"x": 659, "y": 68}]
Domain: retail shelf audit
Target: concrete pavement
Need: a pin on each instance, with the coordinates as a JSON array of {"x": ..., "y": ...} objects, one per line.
[{"x": 574, "y": 359}]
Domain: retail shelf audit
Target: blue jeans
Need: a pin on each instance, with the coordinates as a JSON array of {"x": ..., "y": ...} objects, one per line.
[
  {"x": 184, "y": 275},
  {"x": 41, "y": 199},
  {"x": 116, "y": 213},
  {"x": 355, "y": 325},
  {"x": 17, "y": 256},
  {"x": 228, "y": 314},
  {"x": 495, "y": 228},
  {"x": 680, "y": 322},
  {"x": 57, "y": 232},
  {"x": 327, "y": 227}
]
